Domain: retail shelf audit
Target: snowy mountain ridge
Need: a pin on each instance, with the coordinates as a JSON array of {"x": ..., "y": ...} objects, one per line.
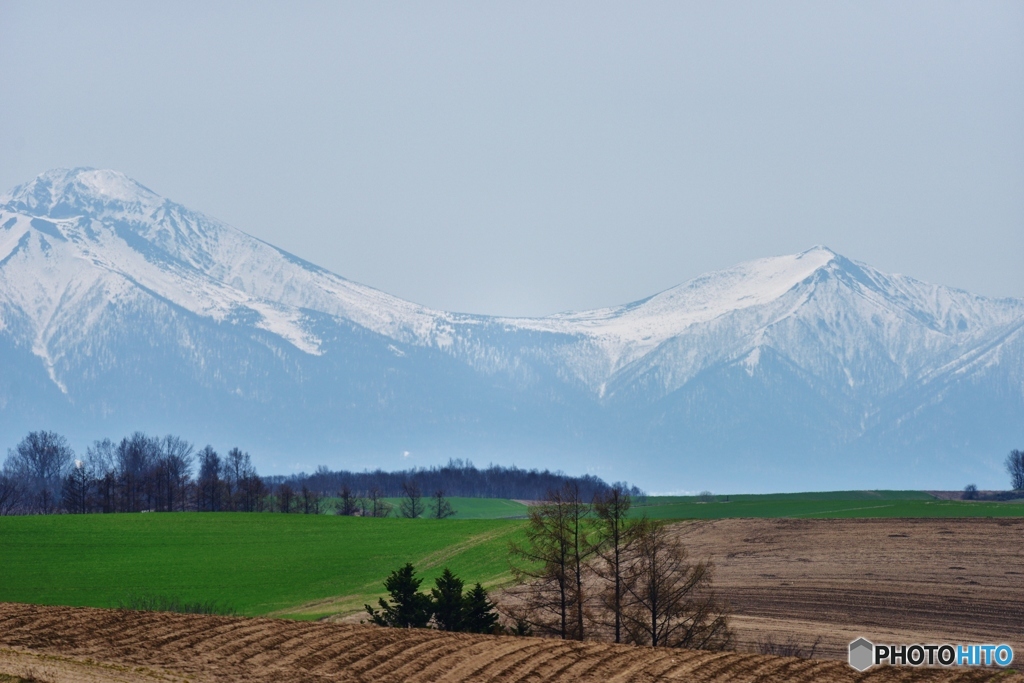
[{"x": 101, "y": 277}]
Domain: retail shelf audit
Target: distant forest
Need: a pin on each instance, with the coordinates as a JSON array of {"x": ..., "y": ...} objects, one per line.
[
  {"x": 142, "y": 473},
  {"x": 457, "y": 478}
]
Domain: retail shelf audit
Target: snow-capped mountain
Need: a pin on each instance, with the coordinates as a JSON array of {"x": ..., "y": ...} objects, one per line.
[{"x": 121, "y": 310}]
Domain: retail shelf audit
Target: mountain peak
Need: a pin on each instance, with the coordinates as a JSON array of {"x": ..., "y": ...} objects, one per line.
[
  {"x": 63, "y": 192},
  {"x": 818, "y": 251}
]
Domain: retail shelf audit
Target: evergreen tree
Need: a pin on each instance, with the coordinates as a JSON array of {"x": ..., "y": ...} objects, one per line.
[
  {"x": 448, "y": 601},
  {"x": 408, "y": 608},
  {"x": 478, "y": 615}
]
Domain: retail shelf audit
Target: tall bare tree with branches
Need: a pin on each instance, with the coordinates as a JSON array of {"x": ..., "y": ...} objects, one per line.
[
  {"x": 551, "y": 566},
  {"x": 411, "y": 505},
  {"x": 613, "y": 537},
  {"x": 1015, "y": 468},
  {"x": 40, "y": 462},
  {"x": 669, "y": 601}
]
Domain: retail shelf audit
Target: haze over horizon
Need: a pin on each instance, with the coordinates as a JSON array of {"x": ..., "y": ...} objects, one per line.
[{"x": 540, "y": 158}]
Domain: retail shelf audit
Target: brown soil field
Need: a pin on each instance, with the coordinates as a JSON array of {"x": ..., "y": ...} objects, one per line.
[
  {"x": 66, "y": 644},
  {"x": 889, "y": 580}
]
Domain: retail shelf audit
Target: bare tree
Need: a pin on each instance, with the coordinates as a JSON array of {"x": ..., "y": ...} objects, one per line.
[
  {"x": 669, "y": 600},
  {"x": 440, "y": 507},
  {"x": 256, "y": 491},
  {"x": 310, "y": 501},
  {"x": 236, "y": 468},
  {"x": 101, "y": 461},
  {"x": 412, "y": 500},
  {"x": 284, "y": 498},
  {"x": 136, "y": 457},
  {"x": 1015, "y": 468},
  {"x": 40, "y": 462},
  {"x": 614, "y": 535},
  {"x": 209, "y": 486},
  {"x": 243, "y": 489},
  {"x": 552, "y": 564},
  {"x": 11, "y": 495},
  {"x": 376, "y": 505},
  {"x": 178, "y": 460},
  {"x": 75, "y": 492}
]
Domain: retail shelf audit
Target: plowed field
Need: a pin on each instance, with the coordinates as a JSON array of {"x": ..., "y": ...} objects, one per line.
[
  {"x": 64, "y": 644},
  {"x": 889, "y": 580}
]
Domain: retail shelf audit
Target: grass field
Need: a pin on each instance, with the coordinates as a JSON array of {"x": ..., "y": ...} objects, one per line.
[
  {"x": 828, "y": 504},
  {"x": 253, "y": 563}
]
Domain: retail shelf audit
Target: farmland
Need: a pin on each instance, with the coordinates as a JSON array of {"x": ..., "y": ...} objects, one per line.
[
  {"x": 894, "y": 580},
  {"x": 251, "y": 563},
  {"x": 824, "y": 505},
  {"x": 798, "y": 568},
  {"x": 104, "y": 646},
  {"x": 310, "y": 566}
]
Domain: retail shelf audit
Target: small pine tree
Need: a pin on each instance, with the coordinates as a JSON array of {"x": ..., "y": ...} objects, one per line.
[
  {"x": 408, "y": 608},
  {"x": 478, "y": 614},
  {"x": 448, "y": 601}
]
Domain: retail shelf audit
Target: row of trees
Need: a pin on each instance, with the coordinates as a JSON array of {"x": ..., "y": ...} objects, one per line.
[
  {"x": 456, "y": 478},
  {"x": 42, "y": 475},
  {"x": 448, "y": 607},
  {"x": 587, "y": 569},
  {"x": 411, "y": 504}
]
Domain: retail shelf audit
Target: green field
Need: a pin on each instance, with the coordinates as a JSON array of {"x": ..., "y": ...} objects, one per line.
[
  {"x": 253, "y": 563},
  {"x": 306, "y": 566},
  {"x": 827, "y": 504}
]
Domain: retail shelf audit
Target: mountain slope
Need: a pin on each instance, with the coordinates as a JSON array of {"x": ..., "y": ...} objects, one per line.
[{"x": 120, "y": 310}]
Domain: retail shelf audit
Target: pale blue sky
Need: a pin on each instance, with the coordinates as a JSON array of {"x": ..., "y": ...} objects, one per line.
[{"x": 524, "y": 158}]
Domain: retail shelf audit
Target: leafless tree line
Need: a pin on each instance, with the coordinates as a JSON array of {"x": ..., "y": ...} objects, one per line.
[
  {"x": 456, "y": 478},
  {"x": 411, "y": 505},
  {"x": 42, "y": 475},
  {"x": 587, "y": 570}
]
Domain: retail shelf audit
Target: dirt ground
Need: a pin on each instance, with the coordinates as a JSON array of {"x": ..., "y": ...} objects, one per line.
[
  {"x": 889, "y": 580},
  {"x": 65, "y": 644}
]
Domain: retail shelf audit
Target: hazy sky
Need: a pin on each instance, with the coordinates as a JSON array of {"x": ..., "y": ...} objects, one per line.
[{"x": 524, "y": 158}]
